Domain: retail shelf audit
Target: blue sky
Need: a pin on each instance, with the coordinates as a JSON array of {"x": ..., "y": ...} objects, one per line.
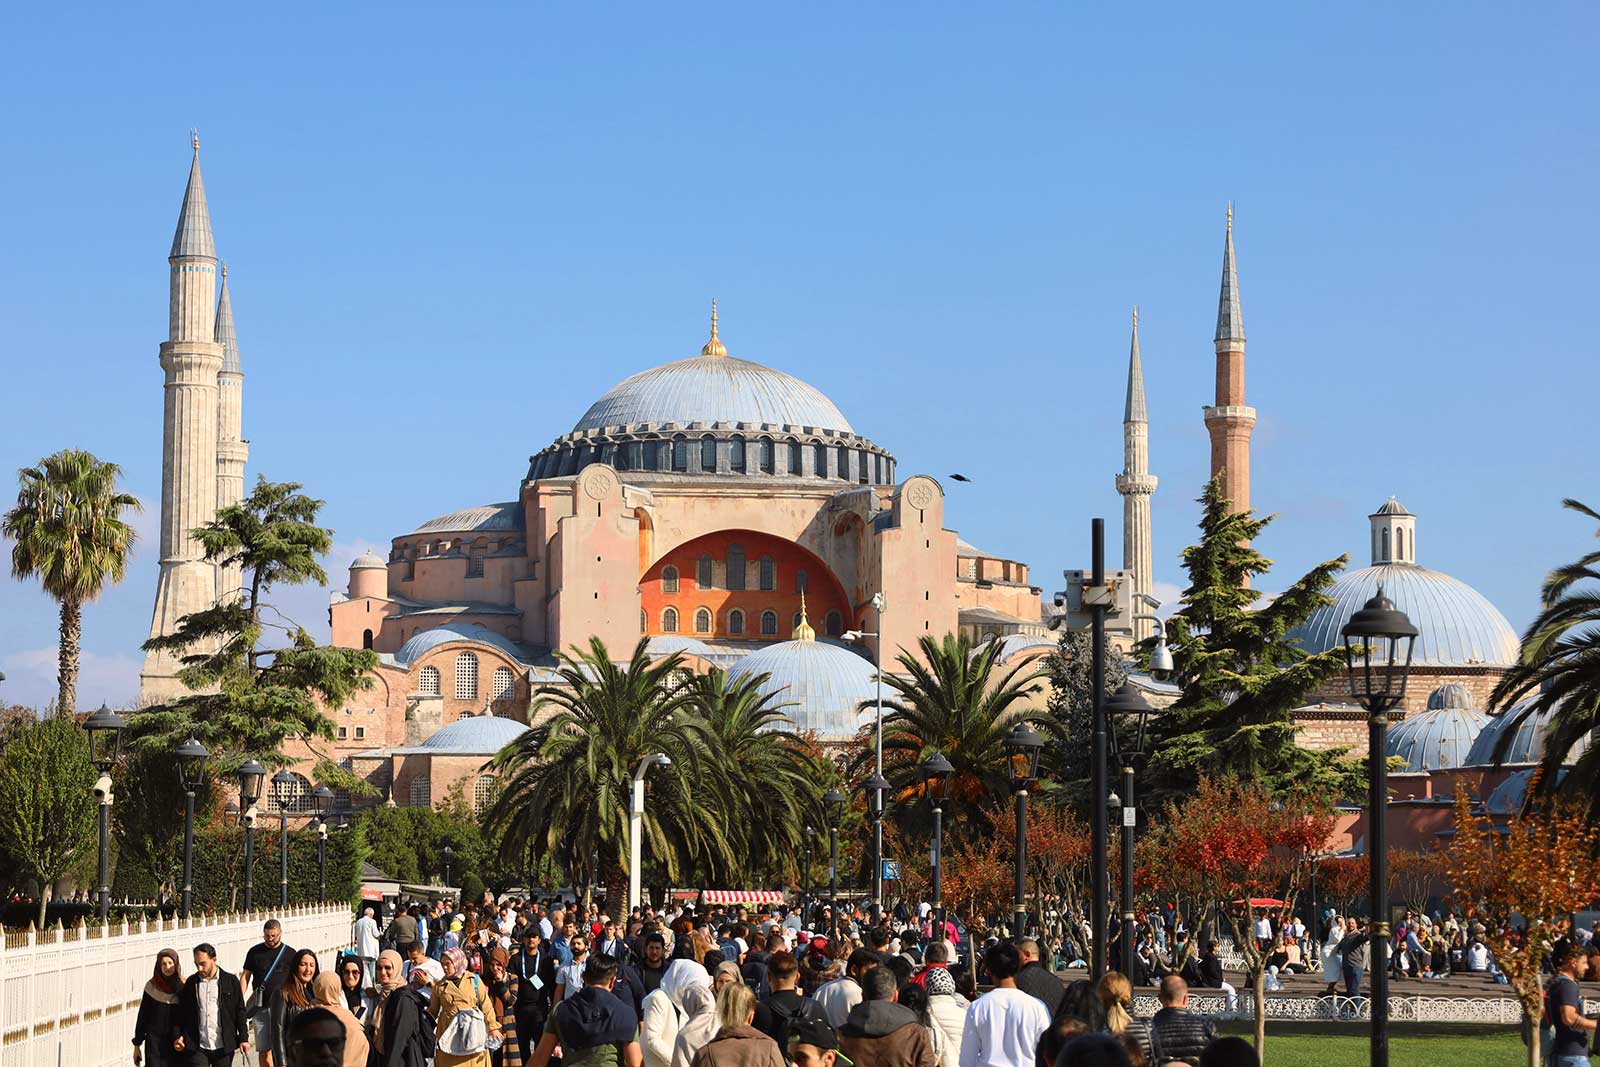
[{"x": 449, "y": 230}]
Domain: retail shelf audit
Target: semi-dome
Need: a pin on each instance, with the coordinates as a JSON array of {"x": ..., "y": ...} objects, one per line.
[
  {"x": 1508, "y": 797},
  {"x": 484, "y": 517},
  {"x": 822, "y": 683},
  {"x": 1459, "y": 627},
  {"x": 473, "y": 735},
  {"x": 1437, "y": 739},
  {"x": 425, "y": 640},
  {"x": 1527, "y": 737},
  {"x": 367, "y": 562}
]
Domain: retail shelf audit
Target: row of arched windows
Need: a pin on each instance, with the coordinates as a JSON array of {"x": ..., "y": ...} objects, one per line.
[
  {"x": 738, "y": 622},
  {"x": 503, "y": 683},
  {"x": 735, "y": 572},
  {"x": 762, "y": 455}
]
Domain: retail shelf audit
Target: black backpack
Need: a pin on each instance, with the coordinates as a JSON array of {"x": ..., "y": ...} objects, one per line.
[
  {"x": 784, "y": 1017},
  {"x": 426, "y": 1041}
]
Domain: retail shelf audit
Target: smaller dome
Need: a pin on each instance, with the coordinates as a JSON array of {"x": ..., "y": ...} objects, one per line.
[
  {"x": 426, "y": 640},
  {"x": 666, "y": 645},
  {"x": 1437, "y": 739},
  {"x": 1392, "y": 507},
  {"x": 368, "y": 562},
  {"x": 485, "y": 517},
  {"x": 1450, "y": 696},
  {"x": 1012, "y": 644},
  {"x": 473, "y": 735},
  {"x": 822, "y": 683},
  {"x": 1527, "y": 737}
]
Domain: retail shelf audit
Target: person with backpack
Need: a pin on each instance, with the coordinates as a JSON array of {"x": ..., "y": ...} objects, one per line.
[
  {"x": 593, "y": 1027},
  {"x": 466, "y": 1028},
  {"x": 1563, "y": 1008},
  {"x": 402, "y": 1034},
  {"x": 786, "y": 1005}
]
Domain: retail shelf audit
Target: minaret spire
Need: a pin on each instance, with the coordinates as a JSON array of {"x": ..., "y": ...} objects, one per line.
[
  {"x": 1136, "y": 484},
  {"x": 193, "y": 236},
  {"x": 714, "y": 347},
  {"x": 232, "y": 450},
  {"x": 1230, "y": 320},
  {"x": 1230, "y": 421}
]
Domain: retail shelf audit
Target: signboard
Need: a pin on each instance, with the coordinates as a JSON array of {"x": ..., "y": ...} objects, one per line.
[
  {"x": 1130, "y": 816},
  {"x": 891, "y": 870}
]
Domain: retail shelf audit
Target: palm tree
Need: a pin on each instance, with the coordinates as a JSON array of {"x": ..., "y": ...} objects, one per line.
[
  {"x": 1560, "y": 667},
  {"x": 771, "y": 788},
  {"x": 70, "y": 534},
  {"x": 569, "y": 779},
  {"x": 963, "y": 703}
]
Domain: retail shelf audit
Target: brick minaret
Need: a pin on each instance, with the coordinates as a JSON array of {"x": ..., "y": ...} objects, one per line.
[
  {"x": 1230, "y": 421},
  {"x": 190, "y": 358},
  {"x": 232, "y": 449},
  {"x": 1136, "y": 483}
]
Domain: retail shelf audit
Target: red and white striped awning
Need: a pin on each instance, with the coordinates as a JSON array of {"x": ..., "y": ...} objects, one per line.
[{"x": 742, "y": 896}]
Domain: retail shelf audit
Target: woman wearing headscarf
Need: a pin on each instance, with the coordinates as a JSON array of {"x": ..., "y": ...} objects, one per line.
[
  {"x": 397, "y": 1017},
  {"x": 663, "y": 1011},
  {"x": 292, "y": 998},
  {"x": 357, "y": 1000},
  {"x": 948, "y": 1010},
  {"x": 156, "y": 1025},
  {"x": 699, "y": 1023},
  {"x": 503, "y": 997},
  {"x": 327, "y": 992},
  {"x": 459, "y": 990}
]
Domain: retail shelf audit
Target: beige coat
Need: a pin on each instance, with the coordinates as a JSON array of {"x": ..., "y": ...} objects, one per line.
[{"x": 449, "y": 997}]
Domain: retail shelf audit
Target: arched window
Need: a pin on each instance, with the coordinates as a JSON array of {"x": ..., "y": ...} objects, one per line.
[
  {"x": 467, "y": 676},
  {"x": 366, "y": 638},
  {"x": 504, "y": 682},
  {"x": 644, "y": 621},
  {"x": 702, "y": 621},
  {"x": 835, "y": 624},
  {"x": 708, "y": 453},
  {"x": 669, "y": 580},
  {"x": 1399, "y": 544},
  {"x": 736, "y": 621},
  {"x": 821, "y": 459},
  {"x": 483, "y": 791},
  {"x": 863, "y": 471},
  {"x": 799, "y": 581},
  {"x": 841, "y": 461},
  {"x": 794, "y": 457},
  {"x": 735, "y": 566},
  {"x": 769, "y": 624},
  {"x": 702, "y": 572},
  {"x": 768, "y": 574},
  {"x": 428, "y": 681},
  {"x": 736, "y": 455},
  {"x": 680, "y": 453},
  {"x": 669, "y": 621},
  {"x": 294, "y": 797},
  {"x": 766, "y": 456},
  {"x": 421, "y": 794},
  {"x": 621, "y": 457},
  {"x": 1385, "y": 556}
]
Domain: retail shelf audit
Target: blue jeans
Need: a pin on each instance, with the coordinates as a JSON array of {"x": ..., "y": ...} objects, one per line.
[{"x": 1580, "y": 1060}]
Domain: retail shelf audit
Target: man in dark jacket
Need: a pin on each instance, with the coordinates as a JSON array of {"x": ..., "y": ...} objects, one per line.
[
  {"x": 1036, "y": 979},
  {"x": 589, "y": 1020},
  {"x": 1176, "y": 1033},
  {"x": 533, "y": 968},
  {"x": 211, "y": 1021},
  {"x": 785, "y": 1003},
  {"x": 880, "y": 1032}
]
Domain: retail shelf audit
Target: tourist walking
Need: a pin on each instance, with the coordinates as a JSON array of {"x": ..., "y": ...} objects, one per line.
[
  {"x": 663, "y": 1014},
  {"x": 292, "y": 998},
  {"x": 1176, "y": 1033},
  {"x": 1036, "y": 978},
  {"x": 1332, "y": 962},
  {"x": 460, "y": 990},
  {"x": 327, "y": 992},
  {"x": 398, "y": 1019},
  {"x": 358, "y": 997},
  {"x": 699, "y": 1026},
  {"x": 533, "y": 968},
  {"x": 1003, "y": 1025},
  {"x": 155, "y": 1028},
  {"x": 212, "y": 1026},
  {"x": 1564, "y": 1004},
  {"x": 948, "y": 1010},
  {"x": 837, "y": 997},
  {"x": 1116, "y": 994},
  {"x": 738, "y": 1043},
  {"x": 364, "y": 935},
  {"x": 503, "y": 998},
  {"x": 265, "y": 968},
  {"x": 593, "y": 1027},
  {"x": 879, "y": 1032}
]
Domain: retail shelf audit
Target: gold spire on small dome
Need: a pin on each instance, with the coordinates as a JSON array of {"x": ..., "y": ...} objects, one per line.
[
  {"x": 803, "y": 632},
  {"x": 714, "y": 347}
]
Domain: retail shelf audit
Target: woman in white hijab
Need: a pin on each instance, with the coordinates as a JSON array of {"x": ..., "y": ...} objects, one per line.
[
  {"x": 1332, "y": 962},
  {"x": 699, "y": 1026},
  {"x": 663, "y": 1012}
]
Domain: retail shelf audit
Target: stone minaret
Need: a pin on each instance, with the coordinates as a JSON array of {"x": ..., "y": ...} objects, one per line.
[
  {"x": 1231, "y": 421},
  {"x": 190, "y": 358},
  {"x": 1136, "y": 483},
  {"x": 232, "y": 449}
]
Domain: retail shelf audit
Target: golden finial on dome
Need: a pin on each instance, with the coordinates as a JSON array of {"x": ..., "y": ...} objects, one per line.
[
  {"x": 803, "y": 632},
  {"x": 714, "y": 347}
]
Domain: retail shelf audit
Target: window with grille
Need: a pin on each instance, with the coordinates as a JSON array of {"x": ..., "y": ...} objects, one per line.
[
  {"x": 794, "y": 457},
  {"x": 421, "y": 794},
  {"x": 669, "y": 621},
  {"x": 702, "y": 621},
  {"x": 835, "y": 624},
  {"x": 294, "y": 797},
  {"x": 841, "y": 462},
  {"x": 467, "y": 676},
  {"x": 483, "y": 792},
  {"x": 766, "y": 455},
  {"x": 361, "y": 733},
  {"x": 669, "y": 580},
  {"x": 680, "y": 453},
  {"x": 428, "y": 682},
  {"x": 702, "y": 572},
  {"x": 769, "y": 624},
  {"x": 504, "y": 682},
  {"x": 736, "y": 621},
  {"x": 862, "y": 459},
  {"x": 736, "y": 454},
  {"x": 822, "y": 459},
  {"x": 475, "y": 563},
  {"x": 344, "y": 733},
  {"x": 708, "y": 453},
  {"x": 768, "y": 574},
  {"x": 735, "y": 566}
]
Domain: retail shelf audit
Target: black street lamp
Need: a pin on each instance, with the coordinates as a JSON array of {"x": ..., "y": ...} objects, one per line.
[
  {"x": 324, "y": 800},
  {"x": 805, "y": 891},
  {"x": 1378, "y": 641},
  {"x": 447, "y": 854},
  {"x": 936, "y": 775},
  {"x": 1130, "y": 704},
  {"x": 1098, "y": 598},
  {"x": 1022, "y": 753},
  {"x": 833, "y": 803},
  {"x": 191, "y": 757},
  {"x": 251, "y": 778},
  {"x": 105, "y": 749},
  {"x": 875, "y": 788},
  {"x": 284, "y": 787}
]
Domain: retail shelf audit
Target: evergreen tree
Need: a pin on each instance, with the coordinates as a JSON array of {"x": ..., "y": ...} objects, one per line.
[
  {"x": 1241, "y": 676},
  {"x": 47, "y": 813},
  {"x": 247, "y": 699},
  {"x": 1071, "y": 703}
]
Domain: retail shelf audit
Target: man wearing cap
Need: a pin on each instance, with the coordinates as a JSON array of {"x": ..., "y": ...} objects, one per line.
[{"x": 813, "y": 1043}]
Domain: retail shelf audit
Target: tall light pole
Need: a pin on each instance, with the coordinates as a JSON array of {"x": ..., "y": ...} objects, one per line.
[
  {"x": 636, "y": 824},
  {"x": 1378, "y": 641},
  {"x": 879, "y": 605},
  {"x": 936, "y": 774},
  {"x": 1022, "y": 754},
  {"x": 1128, "y": 704},
  {"x": 191, "y": 757},
  {"x": 105, "y": 748},
  {"x": 251, "y": 777},
  {"x": 324, "y": 798},
  {"x": 283, "y": 790},
  {"x": 1098, "y": 599},
  {"x": 810, "y": 834},
  {"x": 875, "y": 788},
  {"x": 833, "y": 803}
]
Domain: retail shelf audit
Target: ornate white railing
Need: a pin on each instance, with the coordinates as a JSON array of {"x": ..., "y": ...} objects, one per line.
[
  {"x": 70, "y": 997},
  {"x": 1494, "y": 1011}
]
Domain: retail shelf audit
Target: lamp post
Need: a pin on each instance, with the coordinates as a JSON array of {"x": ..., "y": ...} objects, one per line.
[
  {"x": 875, "y": 788},
  {"x": 1129, "y": 704},
  {"x": 191, "y": 757},
  {"x": 1098, "y": 598},
  {"x": 447, "y": 854},
  {"x": 283, "y": 790},
  {"x": 810, "y": 835},
  {"x": 105, "y": 748},
  {"x": 1378, "y": 665},
  {"x": 936, "y": 774},
  {"x": 251, "y": 777},
  {"x": 879, "y": 605},
  {"x": 833, "y": 803},
  {"x": 1022, "y": 753},
  {"x": 324, "y": 798},
  {"x": 636, "y": 824}
]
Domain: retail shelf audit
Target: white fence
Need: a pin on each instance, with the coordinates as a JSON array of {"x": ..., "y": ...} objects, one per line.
[{"x": 69, "y": 999}]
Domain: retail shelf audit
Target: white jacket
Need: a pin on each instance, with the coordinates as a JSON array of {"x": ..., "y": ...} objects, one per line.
[
  {"x": 949, "y": 1014},
  {"x": 662, "y": 1011}
]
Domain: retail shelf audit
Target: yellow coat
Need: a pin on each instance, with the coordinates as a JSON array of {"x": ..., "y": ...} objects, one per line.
[{"x": 450, "y": 995}]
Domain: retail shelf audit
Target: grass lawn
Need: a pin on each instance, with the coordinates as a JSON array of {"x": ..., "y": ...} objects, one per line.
[{"x": 1300, "y": 1045}]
